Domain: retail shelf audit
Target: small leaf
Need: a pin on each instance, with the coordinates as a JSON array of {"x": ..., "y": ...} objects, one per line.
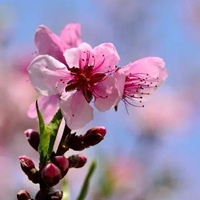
[
  {"x": 84, "y": 189},
  {"x": 42, "y": 144},
  {"x": 47, "y": 135},
  {"x": 52, "y": 130},
  {"x": 64, "y": 188}
]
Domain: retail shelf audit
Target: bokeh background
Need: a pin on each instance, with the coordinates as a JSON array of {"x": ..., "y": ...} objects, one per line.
[{"x": 148, "y": 153}]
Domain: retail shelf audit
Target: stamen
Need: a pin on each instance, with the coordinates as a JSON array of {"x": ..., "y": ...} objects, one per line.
[
  {"x": 62, "y": 80},
  {"x": 127, "y": 103},
  {"x": 93, "y": 61},
  {"x": 137, "y": 86},
  {"x": 87, "y": 58},
  {"x": 101, "y": 62}
]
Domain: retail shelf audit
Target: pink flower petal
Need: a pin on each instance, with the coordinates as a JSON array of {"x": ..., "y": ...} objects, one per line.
[
  {"x": 86, "y": 55},
  {"x": 76, "y": 111},
  {"x": 106, "y": 57},
  {"x": 48, "y": 105},
  {"x": 71, "y": 35},
  {"x": 85, "y": 47},
  {"x": 77, "y": 57},
  {"x": 153, "y": 66},
  {"x": 107, "y": 94},
  {"x": 143, "y": 77},
  {"x": 45, "y": 72},
  {"x": 103, "y": 58},
  {"x": 49, "y": 43},
  {"x": 72, "y": 57},
  {"x": 120, "y": 79}
]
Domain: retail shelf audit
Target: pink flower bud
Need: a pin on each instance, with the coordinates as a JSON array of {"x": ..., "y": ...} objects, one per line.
[
  {"x": 51, "y": 174},
  {"x": 33, "y": 138},
  {"x": 94, "y": 136},
  {"x": 77, "y": 161},
  {"x": 23, "y": 195},
  {"x": 62, "y": 163},
  {"x": 29, "y": 169},
  {"x": 26, "y": 162}
]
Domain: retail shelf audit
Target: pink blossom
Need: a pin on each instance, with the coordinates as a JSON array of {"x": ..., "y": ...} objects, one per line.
[
  {"x": 86, "y": 77},
  {"x": 139, "y": 79},
  {"x": 71, "y": 35},
  {"x": 47, "y": 42}
]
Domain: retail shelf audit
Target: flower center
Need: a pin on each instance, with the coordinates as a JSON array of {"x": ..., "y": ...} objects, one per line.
[
  {"x": 138, "y": 86},
  {"x": 84, "y": 79}
]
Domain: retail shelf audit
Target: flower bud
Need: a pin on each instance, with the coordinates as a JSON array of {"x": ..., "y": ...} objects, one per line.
[
  {"x": 55, "y": 195},
  {"x": 94, "y": 136},
  {"x": 75, "y": 142},
  {"x": 51, "y": 174},
  {"x": 62, "y": 163},
  {"x": 33, "y": 138},
  {"x": 77, "y": 161},
  {"x": 29, "y": 169},
  {"x": 23, "y": 195}
]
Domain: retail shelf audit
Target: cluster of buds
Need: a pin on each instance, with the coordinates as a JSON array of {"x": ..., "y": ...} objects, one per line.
[
  {"x": 72, "y": 141},
  {"x": 55, "y": 170},
  {"x": 92, "y": 137},
  {"x": 52, "y": 172},
  {"x": 53, "y": 195},
  {"x": 58, "y": 166}
]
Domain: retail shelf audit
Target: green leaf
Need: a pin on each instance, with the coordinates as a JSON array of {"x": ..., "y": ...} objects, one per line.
[
  {"x": 42, "y": 145},
  {"x": 47, "y": 135},
  {"x": 52, "y": 130},
  {"x": 64, "y": 188},
  {"x": 84, "y": 189}
]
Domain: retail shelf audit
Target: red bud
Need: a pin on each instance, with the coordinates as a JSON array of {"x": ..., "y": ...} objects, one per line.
[
  {"x": 75, "y": 142},
  {"x": 33, "y": 138},
  {"x": 26, "y": 162},
  {"x": 62, "y": 163},
  {"x": 51, "y": 174},
  {"x": 77, "y": 161},
  {"x": 23, "y": 195},
  {"x": 29, "y": 169},
  {"x": 94, "y": 136}
]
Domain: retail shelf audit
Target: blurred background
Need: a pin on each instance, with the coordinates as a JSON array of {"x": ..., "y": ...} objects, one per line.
[{"x": 148, "y": 153}]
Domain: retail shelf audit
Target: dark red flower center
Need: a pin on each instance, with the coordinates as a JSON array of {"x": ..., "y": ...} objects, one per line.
[{"x": 84, "y": 79}]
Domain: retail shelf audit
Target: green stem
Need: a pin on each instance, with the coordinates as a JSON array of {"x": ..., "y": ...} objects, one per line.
[{"x": 84, "y": 189}]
